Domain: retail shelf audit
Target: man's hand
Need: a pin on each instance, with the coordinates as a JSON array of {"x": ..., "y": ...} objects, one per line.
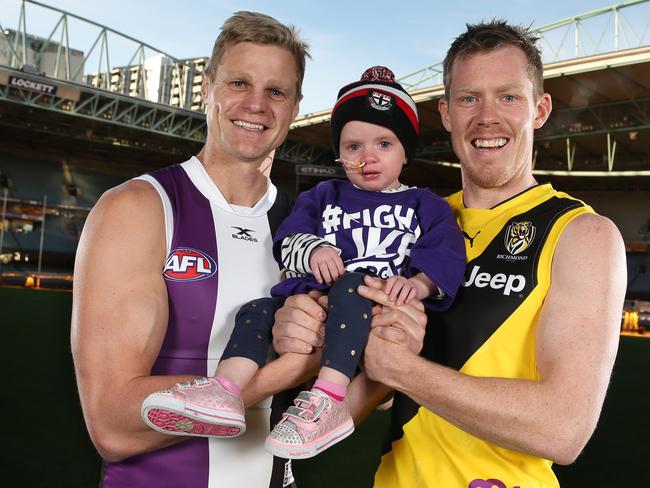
[
  {"x": 300, "y": 324},
  {"x": 326, "y": 264},
  {"x": 397, "y": 331},
  {"x": 404, "y": 325}
]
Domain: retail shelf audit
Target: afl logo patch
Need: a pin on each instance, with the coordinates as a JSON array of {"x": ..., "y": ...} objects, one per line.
[{"x": 186, "y": 264}]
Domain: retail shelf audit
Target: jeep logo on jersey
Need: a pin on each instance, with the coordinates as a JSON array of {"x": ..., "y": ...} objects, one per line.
[
  {"x": 186, "y": 264},
  {"x": 518, "y": 237},
  {"x": 500, "y": 281},
  {"x": 243, "y": 234},
  {"x": 380, "y": 101}
]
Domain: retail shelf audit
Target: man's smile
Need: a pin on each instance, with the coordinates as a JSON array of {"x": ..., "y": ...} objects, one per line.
[
  {"x": 249, "y": 125},
  {"x": 490, "y": 143}
]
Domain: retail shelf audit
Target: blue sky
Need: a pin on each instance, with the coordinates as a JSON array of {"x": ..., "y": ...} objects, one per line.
[{"x": 346, "y": 36}]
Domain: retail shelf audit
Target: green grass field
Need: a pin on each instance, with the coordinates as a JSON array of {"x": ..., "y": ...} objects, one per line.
[{"x": 45, "y": 443}]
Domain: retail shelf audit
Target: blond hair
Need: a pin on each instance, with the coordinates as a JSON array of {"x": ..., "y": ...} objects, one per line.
[{"x": 259, "y": 29}]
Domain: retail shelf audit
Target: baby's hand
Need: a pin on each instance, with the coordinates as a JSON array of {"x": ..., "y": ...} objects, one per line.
[
  {"x": 326, "y": 264},
  {"x": 400, "y": 290}
]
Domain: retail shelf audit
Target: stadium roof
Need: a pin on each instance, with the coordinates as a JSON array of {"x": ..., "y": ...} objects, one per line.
[
  {"x": 599, "y": 129},
  {"x": 600, "y": 125}
]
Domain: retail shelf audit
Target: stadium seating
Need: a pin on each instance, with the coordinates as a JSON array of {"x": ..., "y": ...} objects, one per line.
[{"x": 71, "y": 191}]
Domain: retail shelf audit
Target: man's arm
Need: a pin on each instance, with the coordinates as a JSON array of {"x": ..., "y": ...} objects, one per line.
[
  {"x": 119, "y": 322},
  {"x": 119, "y": 318},
  {"x": 285, "y": 372},
  {"x": 577, "y": 339}
]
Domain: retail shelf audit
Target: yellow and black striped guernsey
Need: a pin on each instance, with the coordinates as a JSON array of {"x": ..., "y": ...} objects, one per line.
[{"x": 489, "y": 331}]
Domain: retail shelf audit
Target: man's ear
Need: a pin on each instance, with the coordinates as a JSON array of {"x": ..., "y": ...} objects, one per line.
[
  {"x": 296, "y": 108},
  {"x": 205, "y": 90},
  {"x": 267, "y": 164},
  {"x": 443, "y": 108},
  {"x": 543, "y": 110}
]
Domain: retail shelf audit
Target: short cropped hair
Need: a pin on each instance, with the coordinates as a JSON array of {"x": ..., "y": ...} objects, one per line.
[
  {"x": 259, "y": 29},
  {"x": 489, "y": 36}
]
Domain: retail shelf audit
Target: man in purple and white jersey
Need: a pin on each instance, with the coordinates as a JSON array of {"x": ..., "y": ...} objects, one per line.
[{"x": 165, "y": 261}]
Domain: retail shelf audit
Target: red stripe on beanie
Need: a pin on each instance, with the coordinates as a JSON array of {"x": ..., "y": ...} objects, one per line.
[
  {"x": 404, "y": 106},
  {"x": 408, "y": 111}
]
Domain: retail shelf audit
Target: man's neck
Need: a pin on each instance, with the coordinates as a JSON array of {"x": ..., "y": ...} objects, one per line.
[
  {"x": 475, "y": 196},
  {"x": 240, "y": 182}
]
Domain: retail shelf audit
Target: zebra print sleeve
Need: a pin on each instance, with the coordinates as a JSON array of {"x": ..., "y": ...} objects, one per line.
[{"x": 296, "y": 250}]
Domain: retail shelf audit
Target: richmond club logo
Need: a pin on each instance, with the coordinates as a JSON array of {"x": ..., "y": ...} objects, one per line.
[
  {"x": 186, "y": 264},
  {"x": 380, "y": 101},
  {"x": 519, "y": 236}
]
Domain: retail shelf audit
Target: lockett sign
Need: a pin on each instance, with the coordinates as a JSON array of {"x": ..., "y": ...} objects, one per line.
[{"x": 31, "y": 85}]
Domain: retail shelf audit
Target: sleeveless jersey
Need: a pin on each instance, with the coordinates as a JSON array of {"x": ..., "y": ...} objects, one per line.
[
  {"x": 490, "y": 332},
  {"x": 218, "y": 257}
]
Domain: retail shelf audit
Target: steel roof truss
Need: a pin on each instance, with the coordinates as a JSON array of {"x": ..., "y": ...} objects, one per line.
[
  {"x": 163, "y": 120},
  {"x": 182, "y": 124},
  {"x": 140, "y": 120},
  {"x": 611, "y": 152},
  {"x": 111, "y": 105},
  {"x": 126, "y": 116}
]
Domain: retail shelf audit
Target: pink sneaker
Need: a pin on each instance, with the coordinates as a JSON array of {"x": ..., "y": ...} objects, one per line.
[
  {"x": 315, "y": 423},
  {"x": 201, "y": 408}
]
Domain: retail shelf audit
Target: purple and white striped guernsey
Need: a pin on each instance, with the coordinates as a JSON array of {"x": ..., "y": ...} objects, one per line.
[{"x": 219, "y": 257}]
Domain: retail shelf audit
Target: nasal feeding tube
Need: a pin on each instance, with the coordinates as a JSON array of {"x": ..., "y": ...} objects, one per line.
[{"x": 351, "y": 166}]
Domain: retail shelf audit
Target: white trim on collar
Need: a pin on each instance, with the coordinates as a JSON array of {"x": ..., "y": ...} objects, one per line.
[
  {"x": 199, "y": 176},
  {"x": 401, "y": 187}
]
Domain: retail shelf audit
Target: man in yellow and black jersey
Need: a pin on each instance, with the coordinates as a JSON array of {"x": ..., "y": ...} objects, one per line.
[{"x": 513, "y": 377}]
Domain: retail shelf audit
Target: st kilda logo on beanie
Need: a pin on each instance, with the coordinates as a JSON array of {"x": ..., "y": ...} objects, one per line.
[{"x": 380, "y": 100}]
